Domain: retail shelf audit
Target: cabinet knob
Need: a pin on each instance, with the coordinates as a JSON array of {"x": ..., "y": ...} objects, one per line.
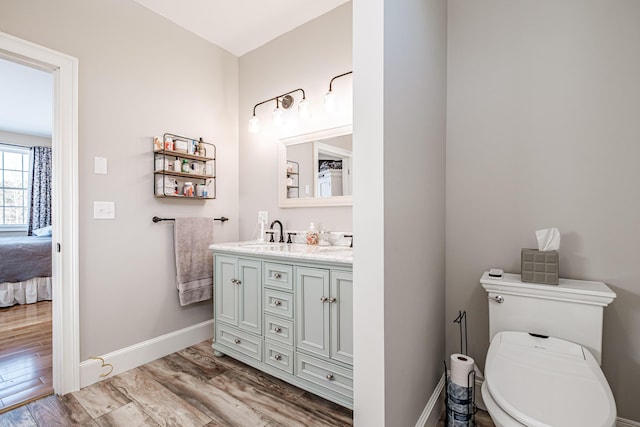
[
  {"x": 233, "y": 281},
  {"x": 323, "y": 299},
  {"x": 498, "y": 298},
  {"x": 277, "y": 329},
  {"x": 332, "y": 300},
  {"x": 277, "y": 302},
  {"x": 329, "y": 377},
  {"x": 238, "y": 282},
  {"x": 237, "y": 341},
  {"x": 277, "y": 275},
  {"x": 277, "y": 356}
]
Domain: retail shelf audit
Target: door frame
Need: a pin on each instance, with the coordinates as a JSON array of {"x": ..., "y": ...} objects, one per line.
[{"x": 66, "y": 337}]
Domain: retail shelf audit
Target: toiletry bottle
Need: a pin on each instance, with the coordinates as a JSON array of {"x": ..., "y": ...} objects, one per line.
[{"x": 312, "y": 235}]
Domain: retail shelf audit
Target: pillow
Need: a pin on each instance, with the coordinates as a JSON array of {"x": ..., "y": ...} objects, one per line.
[{"x": 43, "y": 232}]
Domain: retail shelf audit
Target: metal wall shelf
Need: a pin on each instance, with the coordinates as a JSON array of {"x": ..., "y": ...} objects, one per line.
[{"x": 168, "y": 158}]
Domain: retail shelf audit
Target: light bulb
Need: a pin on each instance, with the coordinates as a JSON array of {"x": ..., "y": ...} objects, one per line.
[
  {"x": 254, "y": 124},
  {"x": 330, "y": 102},
  {"x": 278, "y": 120},
  {"x": 303, "y": 109}
]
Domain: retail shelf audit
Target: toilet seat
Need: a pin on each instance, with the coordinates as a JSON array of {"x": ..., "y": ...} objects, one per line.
[{"x": 547, "y": 382}]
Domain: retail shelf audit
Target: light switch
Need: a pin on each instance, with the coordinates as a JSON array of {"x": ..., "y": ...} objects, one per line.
[
  {"x": 104, "y": 210},
  {"x": 100, "y": 165}
]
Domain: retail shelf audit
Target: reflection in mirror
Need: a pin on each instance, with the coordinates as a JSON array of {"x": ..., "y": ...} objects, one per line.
[{"x": 317, "y": 169}]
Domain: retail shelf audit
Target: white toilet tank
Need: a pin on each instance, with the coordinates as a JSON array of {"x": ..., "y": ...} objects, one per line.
[{"x": 571, "y": 310}]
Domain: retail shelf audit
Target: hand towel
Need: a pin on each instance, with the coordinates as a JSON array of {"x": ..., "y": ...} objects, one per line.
[{"x": 194, "y": 260}]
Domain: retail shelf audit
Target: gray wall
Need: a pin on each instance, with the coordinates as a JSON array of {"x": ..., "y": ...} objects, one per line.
[
  {"x": 307, "y": 57},
  {"x": 139, "y": 76},
  {"x": 406, "y": 147},
  {"x": 542, "y": 130}
]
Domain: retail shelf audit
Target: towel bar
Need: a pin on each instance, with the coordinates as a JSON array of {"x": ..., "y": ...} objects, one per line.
[{"x": 158, "y": 219}]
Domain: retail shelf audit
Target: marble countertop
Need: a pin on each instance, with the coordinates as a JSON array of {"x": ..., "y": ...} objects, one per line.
[{"x": 330, "y": 254}]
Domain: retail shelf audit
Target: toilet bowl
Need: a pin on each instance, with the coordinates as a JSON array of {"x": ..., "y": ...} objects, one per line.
[{"x": 539, "y": 381}]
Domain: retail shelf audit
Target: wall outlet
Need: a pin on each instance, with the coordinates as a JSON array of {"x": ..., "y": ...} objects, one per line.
[{"x": 263, "y": 217}]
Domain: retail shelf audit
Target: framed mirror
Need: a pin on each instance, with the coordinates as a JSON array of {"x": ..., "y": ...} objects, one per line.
[{"x": 316, "y": 169}]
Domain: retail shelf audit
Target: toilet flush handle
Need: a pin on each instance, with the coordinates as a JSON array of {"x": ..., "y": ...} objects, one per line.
[{"x": 498, "y": 298}]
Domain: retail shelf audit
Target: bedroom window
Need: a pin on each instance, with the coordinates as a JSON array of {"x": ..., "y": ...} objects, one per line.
[{"x": 14, "y": 187}]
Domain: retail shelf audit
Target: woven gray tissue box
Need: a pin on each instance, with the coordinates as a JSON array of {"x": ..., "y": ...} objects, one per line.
[{"x": 539, "y": 266}]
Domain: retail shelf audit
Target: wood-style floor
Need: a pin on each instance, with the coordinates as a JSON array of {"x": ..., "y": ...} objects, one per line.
[
  {"x": 25, "y": 353},
  {"x": 188, "y": 388}
]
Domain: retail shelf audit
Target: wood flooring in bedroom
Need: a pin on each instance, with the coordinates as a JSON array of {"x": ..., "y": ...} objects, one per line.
[{"x": 25, "y": 353}]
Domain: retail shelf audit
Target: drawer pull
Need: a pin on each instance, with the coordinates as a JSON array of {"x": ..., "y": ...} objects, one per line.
[
  {"x": 323, "y": 299},
  {"x": 277, "y": 302},
  {"x": 330, "y": 377},
  {"x": 277, "y": 275},
  {"x": 277, "y": 356},
  {"x": 277, "y": 329},
  {"x": 332, "y": 300},
  {"x": 237, "y": 341}
]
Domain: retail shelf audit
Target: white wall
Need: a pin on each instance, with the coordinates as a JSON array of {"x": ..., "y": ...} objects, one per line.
[
  {"x": 307, "y": 57},
  {"x": 139, "y": 76},
  {"x": 23, "y": 139},
  {"x": 399, "y": 125},
  {"x": 542, "y": 130}
]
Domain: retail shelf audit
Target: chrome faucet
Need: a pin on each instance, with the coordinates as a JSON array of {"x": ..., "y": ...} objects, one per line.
[{"x": 281, "y": 240}]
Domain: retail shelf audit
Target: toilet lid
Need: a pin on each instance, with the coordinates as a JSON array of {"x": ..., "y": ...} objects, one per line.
[{"x": 543, "y": 382}]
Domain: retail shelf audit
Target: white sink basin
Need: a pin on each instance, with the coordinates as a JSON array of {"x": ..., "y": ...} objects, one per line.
[
  {"x": 263, "y": 245},
  {"x": 332, "y": 248}
]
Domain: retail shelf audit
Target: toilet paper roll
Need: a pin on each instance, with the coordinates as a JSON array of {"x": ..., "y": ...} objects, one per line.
[
  {"x": 461, "y": 365},
  {"x": 457, "y": 420}
]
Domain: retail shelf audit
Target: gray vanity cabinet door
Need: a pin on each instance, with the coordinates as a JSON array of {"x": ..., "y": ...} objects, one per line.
[
  {"x": 250, "y": 298},
  {"x": 312, "y": 310},
  {"x": 226, "y": 294},
  {"x": 341, "y": 313}
]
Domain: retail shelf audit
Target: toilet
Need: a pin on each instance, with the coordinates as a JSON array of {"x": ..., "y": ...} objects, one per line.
[{"x": 543, "y": 364}]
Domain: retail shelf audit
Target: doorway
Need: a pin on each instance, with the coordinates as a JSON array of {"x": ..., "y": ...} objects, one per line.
[{"x": 65, "y": 311}]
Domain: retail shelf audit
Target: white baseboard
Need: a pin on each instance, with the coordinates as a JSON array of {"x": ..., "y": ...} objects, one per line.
[
  {"x": 144, "y": 352},
  {"x": 621, "y": 422},
  {"x": 431, "y": 413}
]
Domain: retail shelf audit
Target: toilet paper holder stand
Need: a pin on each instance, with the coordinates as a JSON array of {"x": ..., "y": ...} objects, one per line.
[{"x": 467, "y": 419}]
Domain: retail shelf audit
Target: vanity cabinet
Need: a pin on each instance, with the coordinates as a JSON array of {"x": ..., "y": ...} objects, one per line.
[
  {"x": 324, "y": 317},
  {"x": 289, "y": 318},
  {"x": 239, "y": 293}
]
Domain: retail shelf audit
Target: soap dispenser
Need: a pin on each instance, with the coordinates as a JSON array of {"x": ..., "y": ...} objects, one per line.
[{"x": 312, "y": 235}]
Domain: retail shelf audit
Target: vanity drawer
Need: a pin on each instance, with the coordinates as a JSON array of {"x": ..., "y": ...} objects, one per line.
[
  {"x": 278, "y": 276},
  {"x": 280, "y": 303},
  {"x": 277, "y": 329},
  {"x": 278, "y": 357},
  {"x": 324, "y": 374},
  {"x": 239, "y": 341}
]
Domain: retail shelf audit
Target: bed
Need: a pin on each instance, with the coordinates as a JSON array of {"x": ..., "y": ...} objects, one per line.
[{"x": 25, "y": 270}]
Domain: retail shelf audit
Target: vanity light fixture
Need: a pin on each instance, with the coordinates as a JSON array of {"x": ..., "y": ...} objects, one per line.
[
  {"x": 283, "y": 102},
  {"x": 330, "y": 98}
]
